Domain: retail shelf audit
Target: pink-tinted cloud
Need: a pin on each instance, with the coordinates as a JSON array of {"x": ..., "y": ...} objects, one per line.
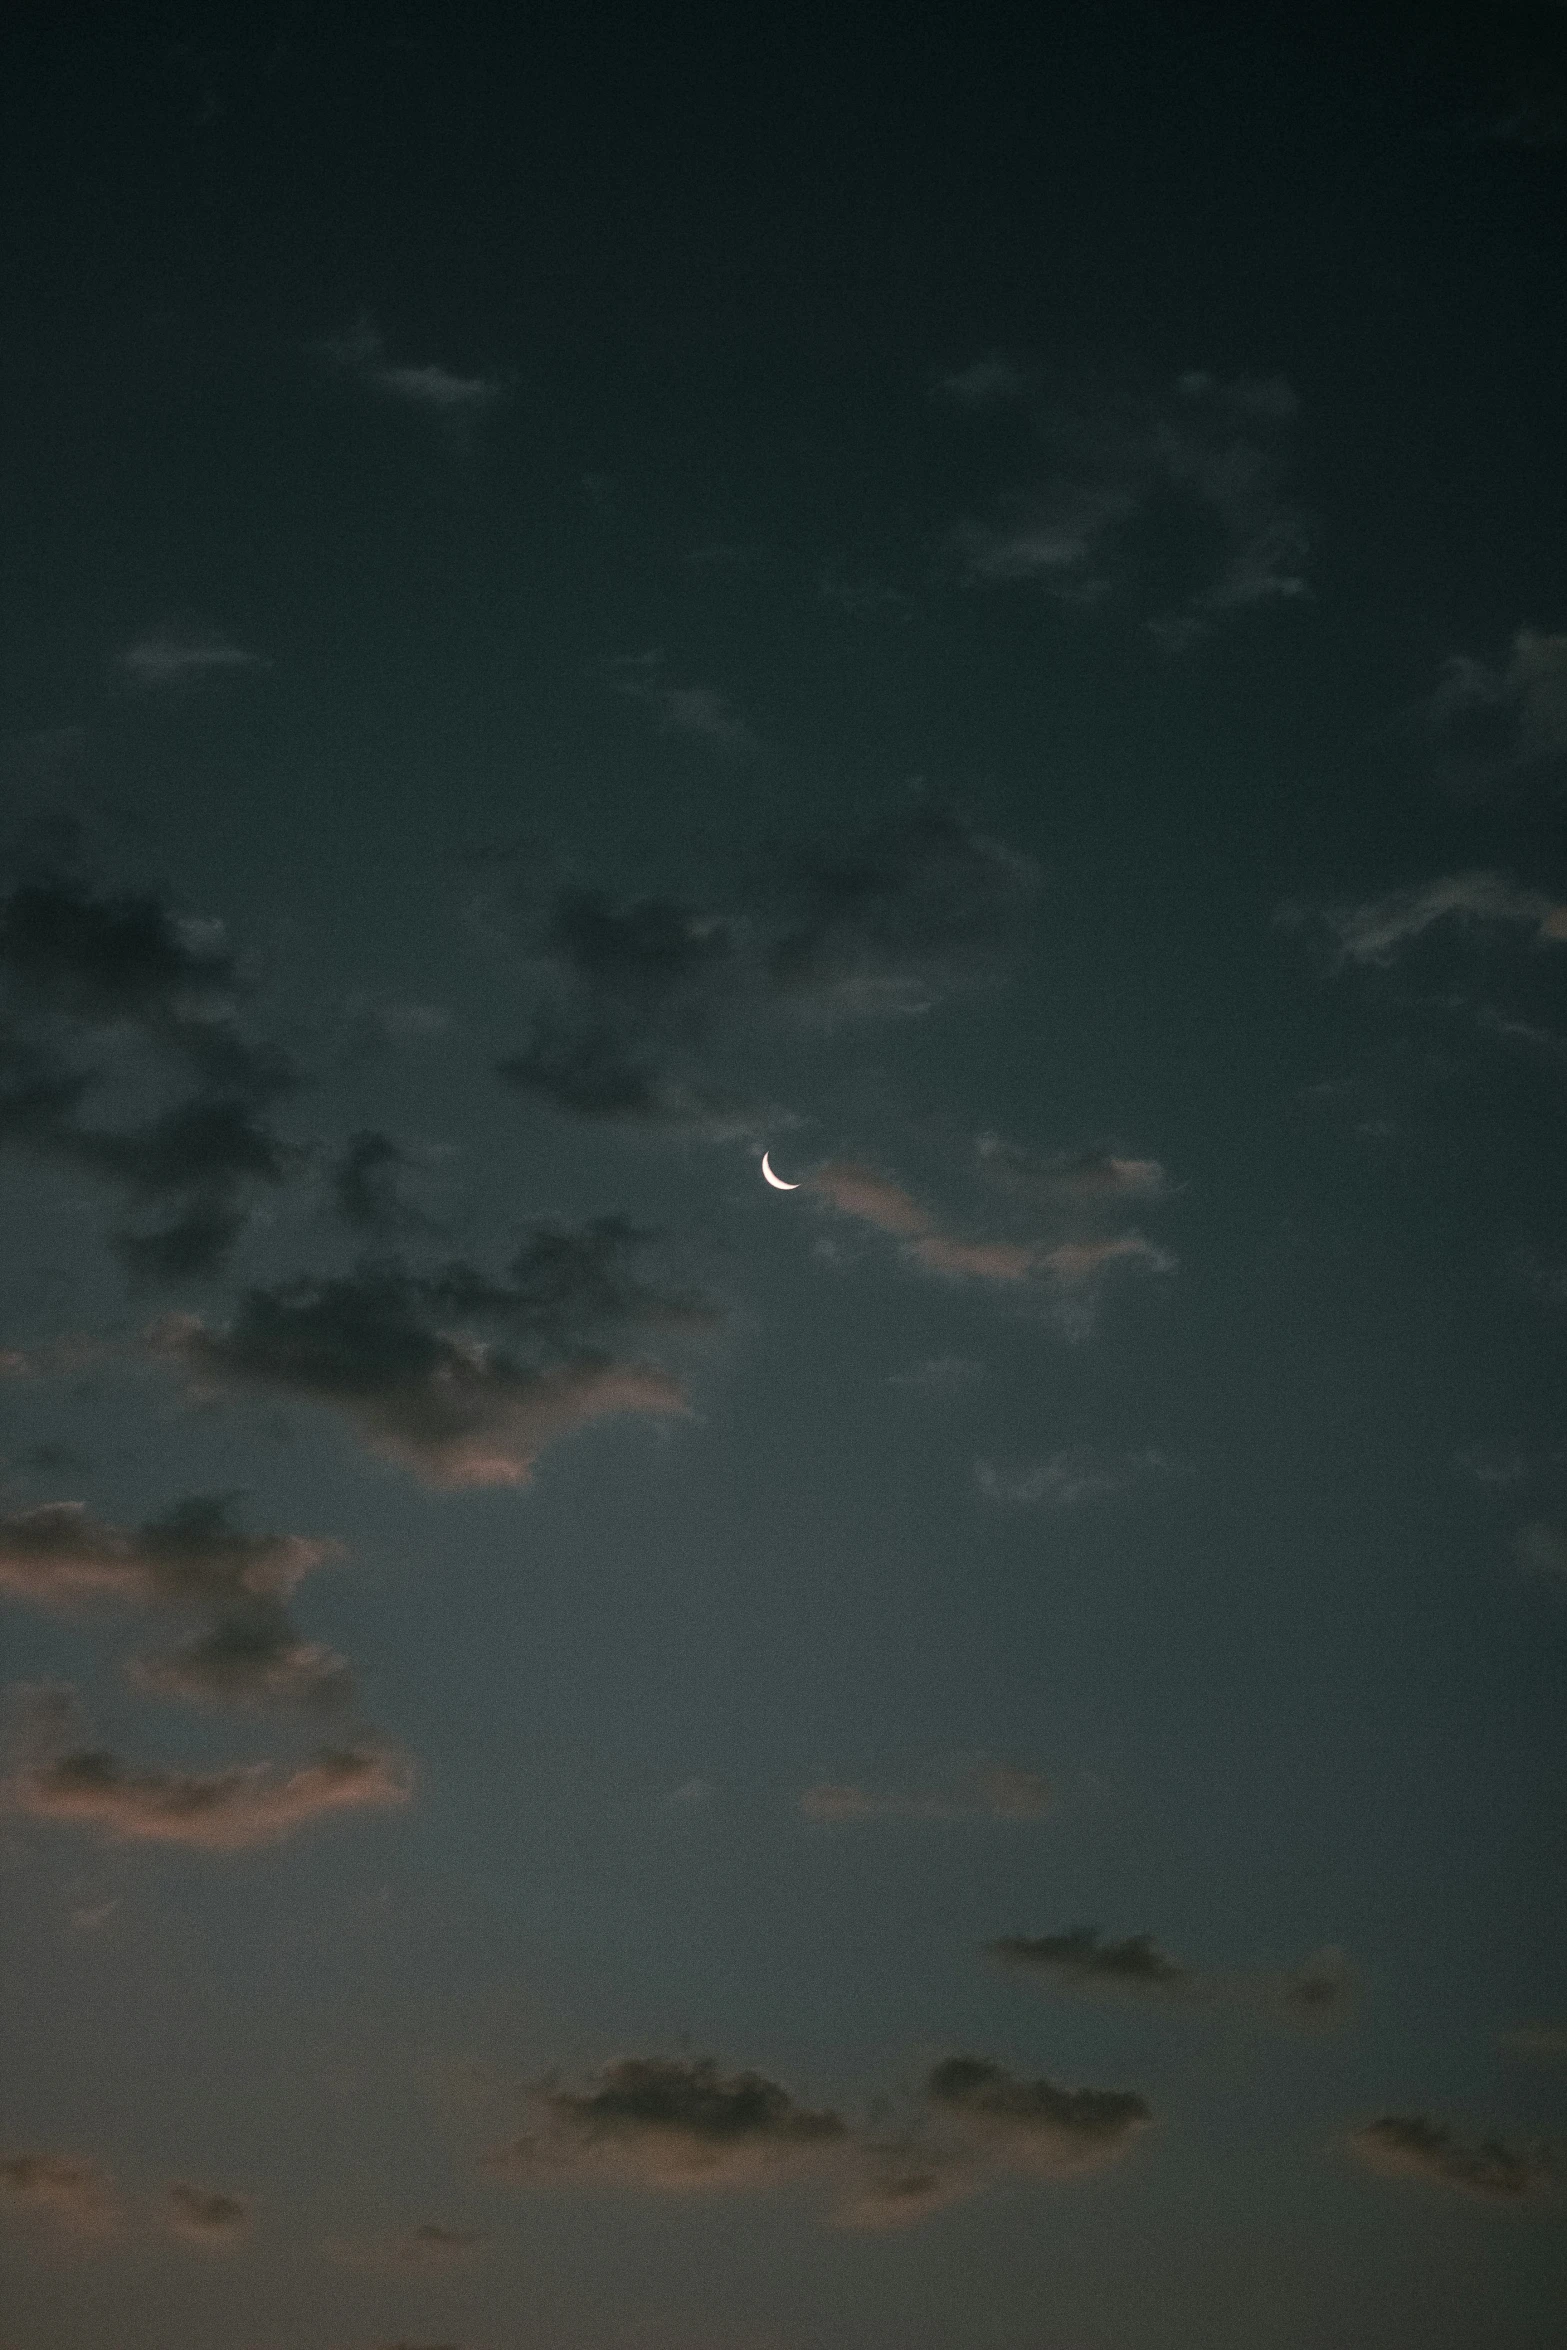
[
  {"x": 860, "y": 1192},
  {"x": 58, "y": 1557},
  {"x": 999, "y": 1791},
  {"x": 975, "y": 1260},
  {"x": 452, "y": 1410},
  {"x": 214, "y": 1811}
]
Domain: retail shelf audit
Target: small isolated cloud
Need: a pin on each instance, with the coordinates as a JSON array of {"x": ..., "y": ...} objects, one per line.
[
  {"x": 361, "y": 355},
  {"x": 1069, "y": 1179},
  {"x": 232, "y": 1810},
  {"x": 940, "y": 1374},
  {"x": 699, "y": 711},
  {"x": 202, "y": 2215},
  {"x": 1491, "y": 1465},
  {"x": 1380, "y": 930},
  {"x": 455, "y": 1409},
  {"x": 994, "y": 1790},
  {"x": 1495, "y": 728},
  {"x": 1412, "y": 2147},
  {"x": 903, "y": 2184},
  {"x": 666, "y": 2123},
  {"x": 1542, "y": 1551},
  {"x": 1034, "y": 2126},
  {"x": 1079, "y": 1960},
  {"x": 1067, "y": 1479},
  {"x": 179, "y": 659},
  {"x": 985, "y": 383},
  {"x": 427, "y": 2249},
  {"x": 1547, "y": 2041},
  {"x": 1316, "y": 1994},
  {"x": 69, "y": 2194}
]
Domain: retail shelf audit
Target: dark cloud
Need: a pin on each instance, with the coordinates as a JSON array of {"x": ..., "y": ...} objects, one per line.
[
  {"x": 997, "y": 1791},
  {"x": 58, "y": 1556},
  {"x": 657, "y": 2122},
  {"x": 230, "y": 1810},
  {"x": 1316, "y": 1995},
  {"x": 1035, "y": 2125},
  {"x": 68, "y": 2193},
  {"x": 201, "y": 2215},
  {"x": 364, "y": 1189},
  {"x": 1380, "y": 930},
  {"x": 423, "y": 2250},
  {"x": 456, "y": 1410},
  {"x": 83, "y": 972},
  {"x": 649, "y": 1009},
  {"x": 255, "y": 1659},
  {"x": 110, "y": 960},
  {"x": 1171, "y": 508},
  {"x": 1079, "y": 1958},
  {"x": 1411, "y": 2146}
]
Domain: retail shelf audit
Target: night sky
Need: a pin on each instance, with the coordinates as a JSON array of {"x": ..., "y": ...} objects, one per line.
[{"x": 596, "y": 1754}]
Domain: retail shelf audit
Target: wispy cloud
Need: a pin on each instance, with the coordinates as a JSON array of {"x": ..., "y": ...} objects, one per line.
[
  {"x": 1070, "y": 1272},
  {"x": 992, "y": 1790},
  {"x": 700, "y": 711},
  {"x": 1378, "y": 931},
  {"x": 1172, "y": 507},
  {"x": 984, "y": 383},
  {"x": 1542, "y": 1551},
  {"x": 1413, "y": 2147},
  {"x": 361, "y": 354},
  {"x": 1067, "y": 1479},
  {"x": 181, "y": 658},
  {"x": 1494, "y": 727},
  {"x": 1547, "y": 2041}
]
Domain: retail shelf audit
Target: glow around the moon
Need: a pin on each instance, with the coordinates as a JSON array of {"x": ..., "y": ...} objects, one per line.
[{"x": 776, "y": 1181}]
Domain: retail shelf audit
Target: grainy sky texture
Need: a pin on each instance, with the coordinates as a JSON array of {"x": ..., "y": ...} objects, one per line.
[{"x": 969, "y": 1755}]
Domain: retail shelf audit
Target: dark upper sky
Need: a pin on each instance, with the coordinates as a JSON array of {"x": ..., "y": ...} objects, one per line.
[{"x": 599, "y": 1756}]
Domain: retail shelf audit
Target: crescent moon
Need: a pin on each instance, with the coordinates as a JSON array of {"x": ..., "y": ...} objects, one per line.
[{"x": 776, "y": 1181}]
